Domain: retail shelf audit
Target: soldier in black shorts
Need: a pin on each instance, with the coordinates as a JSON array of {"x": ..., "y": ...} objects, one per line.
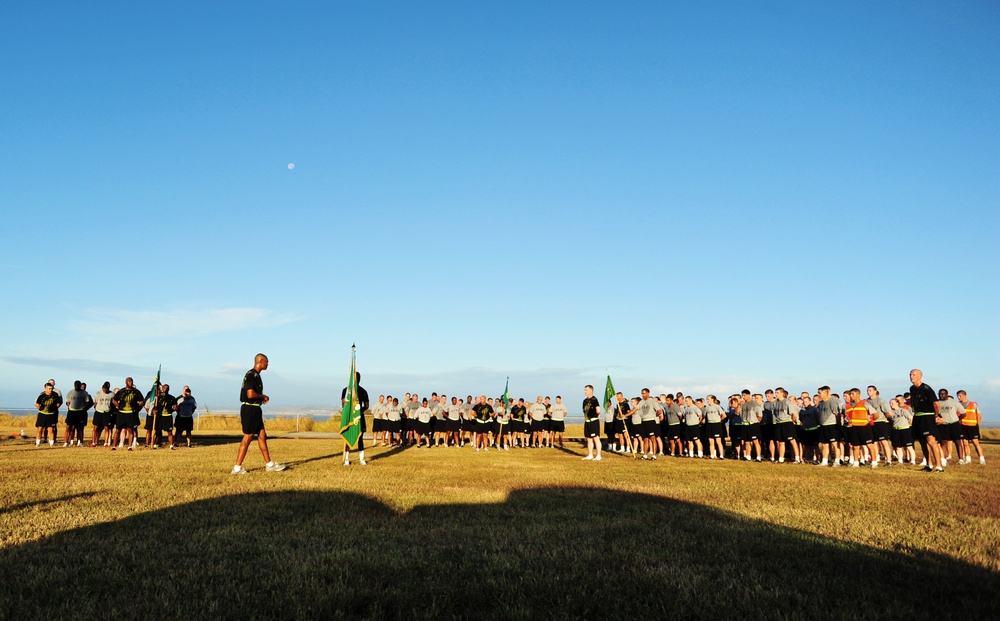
[
  {"x": 252, "y": 397},
  {"x": 591, "y": 423},
  {"x": 925, "y": 406}
]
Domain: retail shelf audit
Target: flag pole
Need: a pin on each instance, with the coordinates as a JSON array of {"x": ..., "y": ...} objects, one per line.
[
  {"x": 506, "y": 388},
  {"x": 156, "y": 395},
  {"x": 618, "y": 416}
]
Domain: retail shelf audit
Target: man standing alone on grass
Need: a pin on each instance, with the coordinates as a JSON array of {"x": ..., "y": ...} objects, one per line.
[
  {"x": 252, "y": 397},
  {"x": 591, "y": 423},
  {"x": 925, "y": 408},
  {"x": 47, "y": 404},
  {"x": 559, "y": 413}
]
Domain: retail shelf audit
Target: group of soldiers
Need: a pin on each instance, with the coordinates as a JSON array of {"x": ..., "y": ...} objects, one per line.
[
  {"x": 482, "y": 422},
  {"x": 777, "y": 426},
  {"x": 116, "y": 415},
  {"x": 824, "y": 428}
]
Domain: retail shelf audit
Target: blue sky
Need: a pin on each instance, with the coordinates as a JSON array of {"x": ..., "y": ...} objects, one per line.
[{"x": 700, "y": 196}]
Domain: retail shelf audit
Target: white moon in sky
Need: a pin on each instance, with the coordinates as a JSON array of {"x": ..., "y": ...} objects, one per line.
[{"x": 291, "y": 166}]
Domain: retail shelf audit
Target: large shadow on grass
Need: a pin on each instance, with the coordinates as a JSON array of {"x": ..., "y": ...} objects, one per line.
[{"x": 546, "y": 553}]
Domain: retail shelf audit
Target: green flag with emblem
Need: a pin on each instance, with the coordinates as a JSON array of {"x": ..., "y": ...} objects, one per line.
[
  {"x": 506, "y": 394},
  {"x": 609, "y": 393},
  {"x": 350, "y": 415}
]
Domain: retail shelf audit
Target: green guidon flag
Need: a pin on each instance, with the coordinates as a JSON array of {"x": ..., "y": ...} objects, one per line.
[
  {"x": 350, "y": 415},
  {"x": 154, "y": 392},
  {"x": 506, "y": 394},
  {"x": 609, "y": 393}
]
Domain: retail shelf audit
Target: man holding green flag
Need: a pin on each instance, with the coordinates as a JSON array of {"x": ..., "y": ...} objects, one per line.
[{"x": 353, "y": 402}]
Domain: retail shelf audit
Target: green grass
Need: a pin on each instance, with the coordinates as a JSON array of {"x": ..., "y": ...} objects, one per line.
[{"x": 449, "y": 532}]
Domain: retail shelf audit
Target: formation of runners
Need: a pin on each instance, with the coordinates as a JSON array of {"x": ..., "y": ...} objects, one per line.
[
  {"x": 116, "y": 418},
  {"x": 824, "y": 428},
  {"x": 851, "y": 429}
]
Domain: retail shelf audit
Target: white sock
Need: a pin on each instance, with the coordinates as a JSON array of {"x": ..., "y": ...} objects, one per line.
[
  {"x": 237, "y": 468},
  {"x": 361, "y": 455},
  {"x": 270, "y": 464}
]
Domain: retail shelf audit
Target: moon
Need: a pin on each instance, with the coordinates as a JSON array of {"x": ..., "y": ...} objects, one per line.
[{"x": 291, "y": 166}]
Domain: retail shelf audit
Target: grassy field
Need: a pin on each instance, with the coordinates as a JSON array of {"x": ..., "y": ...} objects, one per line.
[{"x": 452, "y": 533}]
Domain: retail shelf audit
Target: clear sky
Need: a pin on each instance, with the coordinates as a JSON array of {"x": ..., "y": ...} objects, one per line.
[{"x": 701, "y": 196}]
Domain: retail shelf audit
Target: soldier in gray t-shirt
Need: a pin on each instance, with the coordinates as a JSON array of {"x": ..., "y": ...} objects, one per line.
[
  {"x": 558, "y": 412},
  {"x": 949, "y": 426}
]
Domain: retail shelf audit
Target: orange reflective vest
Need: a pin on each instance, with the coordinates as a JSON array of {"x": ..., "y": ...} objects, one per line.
[
  {"x": 857, "y": 414},
  {"x": 971, "y": 418}
]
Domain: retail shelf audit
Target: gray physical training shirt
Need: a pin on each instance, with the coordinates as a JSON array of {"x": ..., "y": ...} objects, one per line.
[
  {"x": 647, "y": 409},
  {"x": 692, "y": 416},
  {"x": 77, "y": 399},
  {"x": 454, "y": 412},
  {"x": 751, "y": 412},
  {"x": 537, "y": 411},
  {"x": 781, "y": 412},
  {"x": 950, "y": 409},
  {"x": 827, "y": 411},
  {"x": 673, "y": 413},
  {"x": 559, "y": 411},
  {"x": 880, "y": 407},
  {"x": 423, "y": 414},
  {"x": 713, "y": 413},
  {"x": 102, "y": 401},
  {"x": 394, "y": 412},
  {"x": 902, "y": 418}
]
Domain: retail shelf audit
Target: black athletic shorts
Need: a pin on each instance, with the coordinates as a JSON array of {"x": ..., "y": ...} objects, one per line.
[
  {"x": 649, "y": 428},
  {"x": 674, "y": 431},
  {"x": 751, "y": 432},
  {"x": 76, "y": 418},
  {"x": 881, "y": 430},
  {"x": 47, "y": 420},
  {"x": 123, "y": 420},
  {"x": 859, "y": 436},
  {"x": 902, "y": 438},
  {"x": 828, "y": 434},
  {"x": 537, "y": 425},
  {"x": 810, "y": 437},
  {"x": 251, "y": 419},
  {"x": 692, "y": 433},
  {"x": 766, "y": 432},
  {"x": 949, "y": 432},
  {"x": 393, "y": 426},
  {"x": 185, "y": 423},
  {"x": 736, "y": 433},
  {"x": 592, "y": 429},
  {"x": 714, "y": 430},
  {"x": 557, "y": 426},
  {"x": 103, "y": 419},
  {"x": 923, "y": 426},
  {"x": 970, "y": 432},
  {"x": 164, "y": 423},
  {"x": 784, "y": 432}
]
